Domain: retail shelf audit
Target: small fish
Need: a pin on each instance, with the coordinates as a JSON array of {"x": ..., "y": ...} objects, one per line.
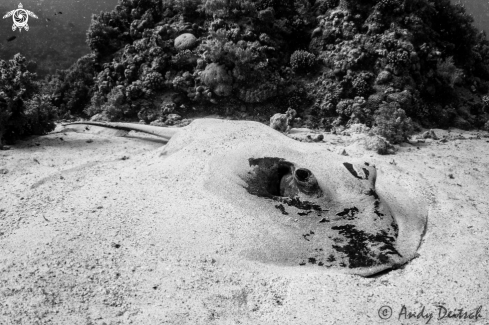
[
  {"x": 11, "y": 38},
  {"x": 59, "y": 12},
  {"x": 47, "y": 19}
]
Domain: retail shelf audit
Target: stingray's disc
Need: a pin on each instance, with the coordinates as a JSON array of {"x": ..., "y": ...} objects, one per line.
[{"x": 349, "y": 227}]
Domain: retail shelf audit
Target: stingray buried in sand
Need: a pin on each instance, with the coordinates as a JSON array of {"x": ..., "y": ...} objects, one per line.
[{"x": 310, "y": 207}]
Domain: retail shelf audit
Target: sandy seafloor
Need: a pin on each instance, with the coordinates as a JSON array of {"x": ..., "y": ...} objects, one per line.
[{"x": 91, "y": 234}]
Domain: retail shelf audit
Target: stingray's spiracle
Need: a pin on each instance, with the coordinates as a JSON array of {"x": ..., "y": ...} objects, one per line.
[{"x": 306, "y": 181}]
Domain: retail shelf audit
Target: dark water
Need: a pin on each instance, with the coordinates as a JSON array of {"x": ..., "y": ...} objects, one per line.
[
  {"x": 57, "y": 38},
  {"x": 479, "y": 9}
]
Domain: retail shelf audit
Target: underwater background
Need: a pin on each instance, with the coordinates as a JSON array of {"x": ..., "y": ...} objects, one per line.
[{"x": 57, "y": 38}]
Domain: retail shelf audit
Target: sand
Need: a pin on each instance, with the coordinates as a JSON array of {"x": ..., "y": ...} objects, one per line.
[{"x": 101, "y": 229}]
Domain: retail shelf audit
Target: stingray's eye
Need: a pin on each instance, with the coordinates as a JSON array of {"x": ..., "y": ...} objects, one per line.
[
  {"x": 352, "y": 170},
  {"x": 359, "y": 172}
]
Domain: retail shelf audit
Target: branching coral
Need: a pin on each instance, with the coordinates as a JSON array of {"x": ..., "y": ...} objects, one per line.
[
  {"x": 398, "y": 59},
  {"x": 152, "y": 81},
  {"x": 392, "y": 123},
  {"x": 302, "y": 60}
]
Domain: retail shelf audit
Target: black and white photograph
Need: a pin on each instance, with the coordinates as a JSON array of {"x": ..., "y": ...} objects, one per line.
[{"x": 244, "y": 162}]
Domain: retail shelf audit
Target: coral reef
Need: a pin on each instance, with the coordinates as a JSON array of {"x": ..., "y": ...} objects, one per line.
[
  {"x": 201, "y": 52},
  {"x": 335, "y": 62}
]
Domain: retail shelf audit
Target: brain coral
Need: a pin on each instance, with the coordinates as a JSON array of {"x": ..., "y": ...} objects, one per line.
[
  {"x": 217, "y": 78},
  {"x": 185, "y": 41}
]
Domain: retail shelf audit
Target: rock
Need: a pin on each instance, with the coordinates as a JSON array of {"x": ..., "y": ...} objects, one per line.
[
  {"x": 383, "y": 77},
  {"x": 173, "y": 118},
  {"x": 317, "y": 137},
  {"x": 342, "y": 152},
  {"x": 314, "y": 138},
  {"x": 430, "y": 135},
  {"x": 185, "y": 42},
  {"x": 3, "y": 171},
  {"x": 379, "y": 144},
  {"x": 279, "y": 122},
  {"x": 98, "y": 117}
]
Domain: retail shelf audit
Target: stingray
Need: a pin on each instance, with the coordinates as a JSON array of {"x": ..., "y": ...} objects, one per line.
[{"x": 308, "y": 207}]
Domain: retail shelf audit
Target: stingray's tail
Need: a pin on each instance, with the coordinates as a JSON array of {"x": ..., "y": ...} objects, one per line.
[{"x": 162, "y": 132}]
